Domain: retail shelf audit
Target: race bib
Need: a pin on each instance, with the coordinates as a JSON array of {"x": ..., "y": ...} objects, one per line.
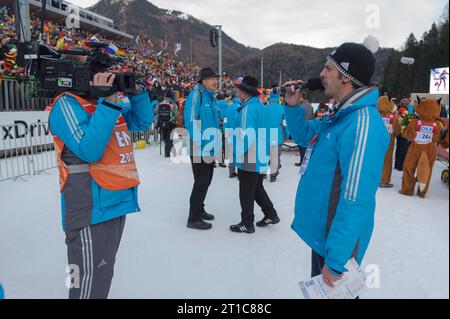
[
  {"x": 425, "y": 136},
  {"x": 388, "y": 125}
]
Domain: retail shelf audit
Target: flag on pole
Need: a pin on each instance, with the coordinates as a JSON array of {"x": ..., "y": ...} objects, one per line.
[
  {"x": 92, "y": 39},
  {"x": 160, "y": 53},
  {"x": 112, "y": 49},
  {"x": 177, "y": 49},
  {"x": 121, "y": 52}
]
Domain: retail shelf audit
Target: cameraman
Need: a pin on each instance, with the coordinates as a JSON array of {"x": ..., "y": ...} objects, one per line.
[
  {"x": 341, "y": 172},
  {"x": 98, "y": 178}
]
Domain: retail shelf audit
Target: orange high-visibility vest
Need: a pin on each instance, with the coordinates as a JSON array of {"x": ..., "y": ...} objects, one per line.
[{"x": 116, "y": 170}]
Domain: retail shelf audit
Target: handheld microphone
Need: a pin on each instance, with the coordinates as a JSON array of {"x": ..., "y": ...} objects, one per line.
[{"x": 314, "y": 84}]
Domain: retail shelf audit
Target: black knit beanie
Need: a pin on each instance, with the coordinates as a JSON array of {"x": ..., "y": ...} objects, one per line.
[{"x": 355, "y": 61}]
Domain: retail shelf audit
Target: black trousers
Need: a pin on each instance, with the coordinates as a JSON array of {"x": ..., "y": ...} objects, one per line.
[
  {"x": 168, "y": 142},
  {"x": 400, "y": 152},
  {"x": 317, "y": 264},
  {"x": 302, "y": 151},
  {"x": 223, "y": 149},
  {"x": 203, "y": 175},
  {"x": 251, "y": 190}
]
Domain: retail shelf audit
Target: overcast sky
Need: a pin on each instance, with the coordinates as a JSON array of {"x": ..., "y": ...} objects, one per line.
[{"x": 317, "y": 23}]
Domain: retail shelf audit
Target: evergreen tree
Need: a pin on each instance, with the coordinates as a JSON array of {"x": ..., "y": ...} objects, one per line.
[{"x": 429, "y": 53}]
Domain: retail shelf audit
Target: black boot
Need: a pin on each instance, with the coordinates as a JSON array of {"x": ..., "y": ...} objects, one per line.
[
  {"x": 266, "y": 221},
  {"x": 206, "y": 216},
  {"x": 273, "y": 178},
  {"x": 200, "y": 225},
  {"x": 243, "y": 228}
]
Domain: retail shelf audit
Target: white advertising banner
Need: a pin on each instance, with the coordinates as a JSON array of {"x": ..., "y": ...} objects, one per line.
[
  {"x": 439, "y": 81},
  {"x": 15, "y": 127}
]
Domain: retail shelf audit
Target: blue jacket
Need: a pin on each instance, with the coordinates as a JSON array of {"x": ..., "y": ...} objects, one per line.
[
  {"x": 250, "y": 144},
  {"x": 223, "y": 108},
  {"x": 232, "y": 111},
  {"x": 276, "y": 115},
  {"x": 153, "y": 105},
  {"x": 86, "y": 138},
  {"x": 335, "y": 203},
  {"x": 287, "y": 133},
  {"x": 201, "y": 120}
]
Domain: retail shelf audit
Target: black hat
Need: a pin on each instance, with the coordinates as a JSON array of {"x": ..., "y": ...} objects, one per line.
[
  {"x": 249, "y": 85},
  {"x": 355, "y": 61},
  {"x": 207, "y": 73}
]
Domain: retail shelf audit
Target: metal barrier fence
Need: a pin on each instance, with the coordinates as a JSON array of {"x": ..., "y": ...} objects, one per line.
[
  {"x": 25, "y": 150},
  {"x": 150, "y": 136},
  {"x": 42, "y": 148},
  {"x": 442, "y": 155},
  {"x": 15, "y": 96},
  {"x": 14, "y": 160},
  {"x": 142, "y": 136}
]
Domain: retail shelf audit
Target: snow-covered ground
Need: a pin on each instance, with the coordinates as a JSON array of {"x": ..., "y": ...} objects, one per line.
[{"x": 160, "y": 258}]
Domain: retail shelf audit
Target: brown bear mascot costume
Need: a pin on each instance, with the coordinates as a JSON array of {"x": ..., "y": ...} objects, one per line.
[
  {"x": 424, "y": 134},
  {"x": 387, "y": 108}
]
